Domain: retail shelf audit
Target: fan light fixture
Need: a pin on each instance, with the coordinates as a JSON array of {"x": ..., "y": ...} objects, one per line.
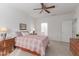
[{"x": 44, "y": 8}]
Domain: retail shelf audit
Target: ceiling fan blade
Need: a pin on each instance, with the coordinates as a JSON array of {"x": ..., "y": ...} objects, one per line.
[
  {"x": 41, "y": 11},
  {"x": 50, "y": 7},
  {"x": 47, "y": 11},
  {"x": 37, "y": 9},
  {"x": 42, "y": 4}
]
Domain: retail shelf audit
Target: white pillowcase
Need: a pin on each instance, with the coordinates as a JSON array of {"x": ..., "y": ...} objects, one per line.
[
  {"x": 19, "y": 34},
  {"x": 24, "y": 33},
  {"x": 11, "y": 35}
]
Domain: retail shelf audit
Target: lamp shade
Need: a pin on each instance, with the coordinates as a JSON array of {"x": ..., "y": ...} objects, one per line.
[{"x": 3, "y": 29}]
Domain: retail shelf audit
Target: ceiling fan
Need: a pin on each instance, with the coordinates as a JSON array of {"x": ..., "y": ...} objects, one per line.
[{"x": 44, "y": 8}]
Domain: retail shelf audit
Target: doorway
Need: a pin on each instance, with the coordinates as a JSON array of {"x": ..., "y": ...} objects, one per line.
[{"x": 44, "y": 28}]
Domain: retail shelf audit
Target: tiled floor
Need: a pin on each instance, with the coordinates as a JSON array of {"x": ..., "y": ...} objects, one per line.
[{"x": 55, "y": 48}]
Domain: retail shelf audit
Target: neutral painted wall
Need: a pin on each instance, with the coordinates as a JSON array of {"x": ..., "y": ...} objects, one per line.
[
  {"x": 77, "y": 22},
  {"x": 66, "y": 30},
  {"x": 11, "y": 17},
  {"x": 55, "y": 26}
]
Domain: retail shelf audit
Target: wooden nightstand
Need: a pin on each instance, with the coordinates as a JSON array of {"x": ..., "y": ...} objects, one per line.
[
  {"x": 6, "y": 46},
  {"x": 74, "y": 46}
]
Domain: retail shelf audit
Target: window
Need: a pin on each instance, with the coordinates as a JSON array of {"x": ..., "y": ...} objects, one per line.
[{"x": 44, "y": 28}]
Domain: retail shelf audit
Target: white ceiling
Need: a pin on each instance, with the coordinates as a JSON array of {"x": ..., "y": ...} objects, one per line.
[{"x": 61, "y": 8}]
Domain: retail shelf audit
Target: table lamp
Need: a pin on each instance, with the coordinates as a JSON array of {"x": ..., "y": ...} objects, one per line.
[{"x": 3, "y": 31}]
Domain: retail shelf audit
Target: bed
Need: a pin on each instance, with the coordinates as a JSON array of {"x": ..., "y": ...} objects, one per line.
[{"x": 33, "y": 43}]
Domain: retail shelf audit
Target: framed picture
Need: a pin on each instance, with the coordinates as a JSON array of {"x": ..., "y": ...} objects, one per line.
[{"x": 22, "y": 26}]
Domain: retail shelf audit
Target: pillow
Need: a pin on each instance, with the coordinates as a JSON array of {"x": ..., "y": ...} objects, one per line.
[
  {"x": 19, "y": 34},
  {"x": 11, "y": 35},
  {"x": 24, "y": 33}
]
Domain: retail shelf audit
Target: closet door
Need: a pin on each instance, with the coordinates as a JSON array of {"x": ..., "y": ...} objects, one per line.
[{"x": 66, "y": 30}]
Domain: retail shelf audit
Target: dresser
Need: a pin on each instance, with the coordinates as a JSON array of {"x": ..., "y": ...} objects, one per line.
[
  {"x": 74, "y": 46},
  {"x": 7, "y": 46}
]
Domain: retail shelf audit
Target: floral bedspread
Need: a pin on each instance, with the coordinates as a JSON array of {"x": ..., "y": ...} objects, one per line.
[{"x": 33, "y": 42}]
